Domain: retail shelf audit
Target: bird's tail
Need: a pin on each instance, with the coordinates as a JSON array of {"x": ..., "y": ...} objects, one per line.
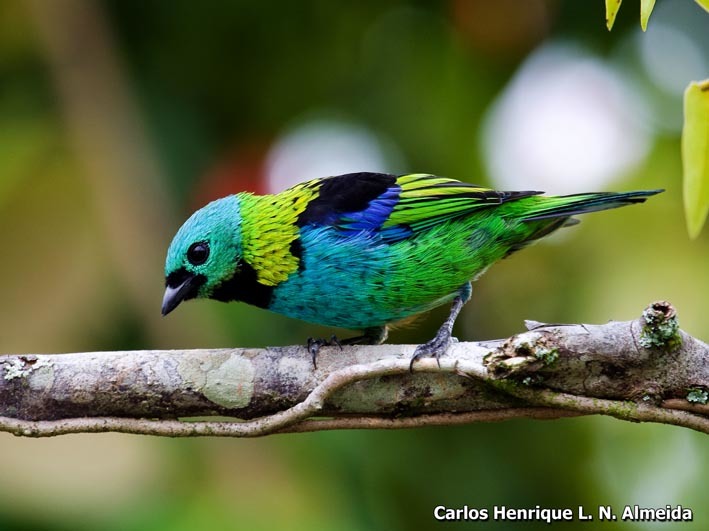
[
  {"x": 548, "y": 213},
  {"x": 565, "y": 206}
]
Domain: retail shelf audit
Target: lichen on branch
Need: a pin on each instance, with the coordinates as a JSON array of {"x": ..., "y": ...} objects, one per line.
[{"x": 641, "y": 370}]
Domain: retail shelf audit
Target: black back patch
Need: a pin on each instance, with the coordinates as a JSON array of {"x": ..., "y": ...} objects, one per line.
[{"x": 350, "y": 192}]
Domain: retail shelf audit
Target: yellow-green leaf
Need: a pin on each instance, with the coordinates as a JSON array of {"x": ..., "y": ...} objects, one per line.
[
  {"x": 695, "y": 155},
  {"x": 646, "y": 7},
  {"x": 612, "y": 7},
  {"x": 704, "y": 4}
]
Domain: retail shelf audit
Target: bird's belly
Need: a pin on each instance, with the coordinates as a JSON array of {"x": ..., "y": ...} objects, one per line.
[
  {"x": 358, "y": 283},
  {"x": 348, "y": 300}
]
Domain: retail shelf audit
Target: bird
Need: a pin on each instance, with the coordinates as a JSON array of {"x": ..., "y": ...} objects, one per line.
[{"x": 363, "y": 251}]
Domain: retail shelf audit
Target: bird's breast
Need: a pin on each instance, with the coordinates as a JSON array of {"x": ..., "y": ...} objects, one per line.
[{"x": 360, "y": 281}]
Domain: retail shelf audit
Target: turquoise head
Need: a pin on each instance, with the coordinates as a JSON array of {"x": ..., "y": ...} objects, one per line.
[{"x": 204, "y": 254}]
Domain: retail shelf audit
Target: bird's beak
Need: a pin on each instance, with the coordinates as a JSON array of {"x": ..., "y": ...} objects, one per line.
[{"x": 175, "y": 295}]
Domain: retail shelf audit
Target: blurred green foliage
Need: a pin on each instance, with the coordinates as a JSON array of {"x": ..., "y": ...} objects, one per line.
[{"x": 209, "y": 87}]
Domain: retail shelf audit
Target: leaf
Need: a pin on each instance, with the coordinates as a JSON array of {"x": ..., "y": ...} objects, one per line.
[
  {"x": 646, "y": 7},
  {"x": 695, "y": 155},
  {"x": 704, "y": 4},
  {"x": 612, "y": 7}
]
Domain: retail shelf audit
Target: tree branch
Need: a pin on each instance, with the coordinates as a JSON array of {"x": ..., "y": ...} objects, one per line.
[{"x": 642, "y": 370}]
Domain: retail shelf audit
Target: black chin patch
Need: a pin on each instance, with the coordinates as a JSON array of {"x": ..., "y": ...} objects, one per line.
[{"x": 245, "y": 287}]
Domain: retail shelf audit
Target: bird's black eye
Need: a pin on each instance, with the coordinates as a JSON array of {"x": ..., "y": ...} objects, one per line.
[{"x": 198, "y": 253}]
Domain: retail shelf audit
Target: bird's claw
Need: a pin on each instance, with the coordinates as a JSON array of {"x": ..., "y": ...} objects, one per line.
[
  {"x": 314, "y": 345},
  {"x": 439, "y": 344},
  {"x": 436, "y": 348},
  {"x": 334, "y": 341}
]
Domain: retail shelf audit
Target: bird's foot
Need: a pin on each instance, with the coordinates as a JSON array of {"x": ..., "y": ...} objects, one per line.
[
  {"x": 314, "y": 345},
  {"x": 370, "y": 336},
  {"x": 439, "y": 344},
  {"x": 434, "y": 348}
]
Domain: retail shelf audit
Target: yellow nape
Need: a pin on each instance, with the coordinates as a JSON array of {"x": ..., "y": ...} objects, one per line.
[{"x": 268, "y": 229}]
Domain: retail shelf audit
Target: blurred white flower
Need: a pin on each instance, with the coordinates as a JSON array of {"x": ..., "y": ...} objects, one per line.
[
  {"x": 320, "y": 148},
  {"x": 567, "y": 122}
]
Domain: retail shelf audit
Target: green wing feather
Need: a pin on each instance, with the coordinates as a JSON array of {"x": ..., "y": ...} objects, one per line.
[{"x": 427, "y": 200}]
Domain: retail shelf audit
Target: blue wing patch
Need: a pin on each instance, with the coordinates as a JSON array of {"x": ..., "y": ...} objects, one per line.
[
  {"x": 396, "y": 207},
  {"x": 373, "y": 216}
]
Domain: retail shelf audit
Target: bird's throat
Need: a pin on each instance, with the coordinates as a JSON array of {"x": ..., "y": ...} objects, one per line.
[{"x": 244, "y": 286}]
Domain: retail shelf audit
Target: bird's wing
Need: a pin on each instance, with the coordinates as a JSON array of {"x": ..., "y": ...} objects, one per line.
[{"x": 396, "y": 207}]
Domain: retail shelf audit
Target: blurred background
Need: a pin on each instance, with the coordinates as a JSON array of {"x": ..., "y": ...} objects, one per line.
[{"x": 118, "y": 119}]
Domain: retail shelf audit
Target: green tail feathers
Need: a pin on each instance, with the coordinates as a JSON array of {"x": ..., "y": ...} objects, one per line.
[
  {"x": 570, "y": 205},
  {"x": 553, "y": 212}
]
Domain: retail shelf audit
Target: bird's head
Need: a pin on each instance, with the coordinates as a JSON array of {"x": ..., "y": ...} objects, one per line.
[{"x": 204, "y": 253}]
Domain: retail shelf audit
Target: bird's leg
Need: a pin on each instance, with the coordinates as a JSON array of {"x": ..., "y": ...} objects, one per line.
[
  {"x": 370, "y": 336},
  {"x": 439, "y": 344}
]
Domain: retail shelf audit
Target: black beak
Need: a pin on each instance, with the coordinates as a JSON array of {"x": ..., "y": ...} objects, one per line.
[{"x": 175, "y": 295}]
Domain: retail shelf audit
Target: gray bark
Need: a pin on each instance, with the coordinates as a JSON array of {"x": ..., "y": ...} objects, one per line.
[{"x": 645, "y": 369}]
